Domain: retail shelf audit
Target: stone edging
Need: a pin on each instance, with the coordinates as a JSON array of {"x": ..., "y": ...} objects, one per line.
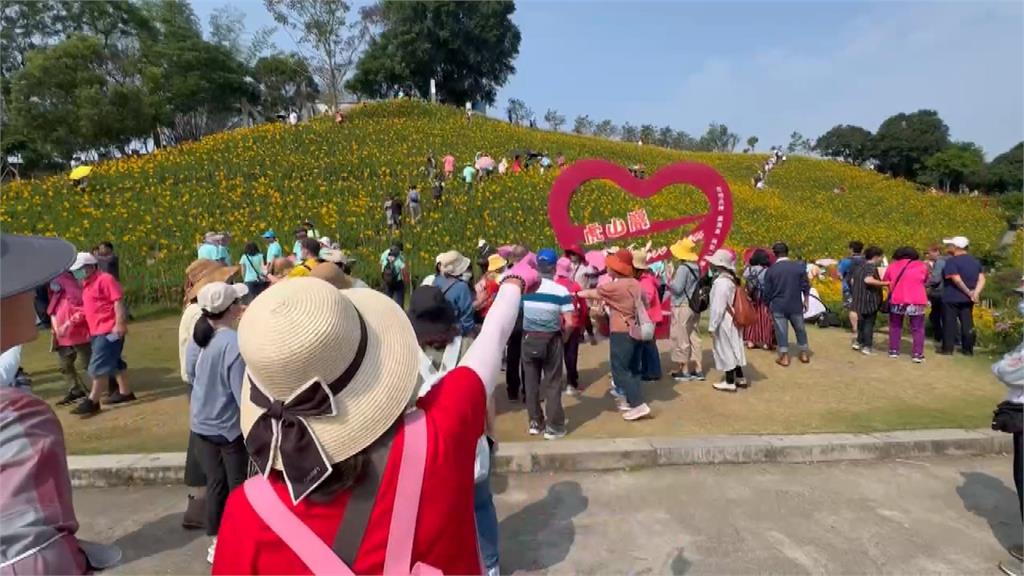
[{"x": 621, "y": 453}]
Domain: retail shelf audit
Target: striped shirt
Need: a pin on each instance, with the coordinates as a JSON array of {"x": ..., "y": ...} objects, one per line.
[{"x": 543, "y": 309}]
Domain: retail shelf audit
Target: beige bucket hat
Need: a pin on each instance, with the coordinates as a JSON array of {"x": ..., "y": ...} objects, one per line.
[{"x": 327, "y": 373}]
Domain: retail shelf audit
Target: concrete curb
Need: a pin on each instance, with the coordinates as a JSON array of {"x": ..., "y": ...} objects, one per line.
[{"x": 621, "y": 453}]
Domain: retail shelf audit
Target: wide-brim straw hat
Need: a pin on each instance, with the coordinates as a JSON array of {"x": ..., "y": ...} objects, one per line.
[
  {"x": 303, "y": 330},
  {"x": 219, "y": 274},
  {"x": 453, "y": 263},
  {"x": 620, "y": 262},
  {"x": 199, "y": 268},
  {"x": 640, "y": 260},
  {"x": 330, "y": 273},
  {"x": 723, "y": 259},
  {"x": 685, "y": 250}
]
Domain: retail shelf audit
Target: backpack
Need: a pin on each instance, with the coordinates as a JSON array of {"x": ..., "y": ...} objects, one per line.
[
  {"x": 700, "y": 298},
  {"x": 390, "y": 275},
  {"x": 743, "y": 313}
]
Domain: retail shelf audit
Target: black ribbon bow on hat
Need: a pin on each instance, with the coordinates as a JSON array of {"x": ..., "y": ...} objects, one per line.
[{"x": 282, "y": 427}]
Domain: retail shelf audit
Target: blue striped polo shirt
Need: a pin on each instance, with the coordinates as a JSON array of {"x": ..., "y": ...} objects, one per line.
[{"x": 543, "y": 309}]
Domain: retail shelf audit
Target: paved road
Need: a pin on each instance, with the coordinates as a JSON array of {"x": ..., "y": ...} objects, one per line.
[{"x": 948, "y": 515}]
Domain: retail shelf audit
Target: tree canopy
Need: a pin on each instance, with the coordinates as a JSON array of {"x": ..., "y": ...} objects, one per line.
[
  {"x": 467, "y": 48},
  {"x": 1006, "y": 171},
  {"x": 904, "y": 142},
  {"x": 845, "y": 142}
]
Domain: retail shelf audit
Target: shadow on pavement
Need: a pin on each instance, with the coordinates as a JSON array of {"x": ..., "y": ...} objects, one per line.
[
  {"x": 680, "y": 564},
  {"x": 161, "y": 535},
  {"x": 988, "y": 497},
  {"x": 541, "y": 535}
]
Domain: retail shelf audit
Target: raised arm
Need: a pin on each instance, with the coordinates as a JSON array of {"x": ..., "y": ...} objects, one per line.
[{"x": 484, "y": 355}]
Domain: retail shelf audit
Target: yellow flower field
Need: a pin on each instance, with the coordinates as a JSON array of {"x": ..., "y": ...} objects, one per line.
[{"x": 156, "y": 207}]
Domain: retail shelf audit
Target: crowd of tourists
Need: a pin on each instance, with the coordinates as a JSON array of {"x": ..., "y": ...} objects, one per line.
[{"x": 310, "y": 405}]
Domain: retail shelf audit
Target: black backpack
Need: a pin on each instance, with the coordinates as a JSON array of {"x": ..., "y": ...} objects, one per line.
[
  {"x": 390, "y": 275},
  {"x": 700, "y": 298}
]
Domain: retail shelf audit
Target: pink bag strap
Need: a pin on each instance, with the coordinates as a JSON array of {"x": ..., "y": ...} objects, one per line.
[
  {"x": 314, "y": 553},
  {"x": 407, "y": 498}
]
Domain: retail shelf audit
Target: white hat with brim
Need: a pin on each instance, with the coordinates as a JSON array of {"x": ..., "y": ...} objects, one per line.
[
  {"x": 960, "y": 242},
  {"x": 723, "y": 259},
  {"x": 29, "y": 261},
  {"x": 83, "y": 259},
  {"x": 305, "y": 330},
  {"x": 217, "y": 297},
  {"x": 453, "y": 263}
]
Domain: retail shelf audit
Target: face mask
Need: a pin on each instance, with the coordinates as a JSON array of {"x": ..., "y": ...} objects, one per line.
[{"x": 80, "y": 274}]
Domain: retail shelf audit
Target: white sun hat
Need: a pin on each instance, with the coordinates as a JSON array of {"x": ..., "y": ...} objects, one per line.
[
  {"x": 328, "y": 372},
  {"x": 84, "y": 259},
  {"x": 217, "y": 297}
]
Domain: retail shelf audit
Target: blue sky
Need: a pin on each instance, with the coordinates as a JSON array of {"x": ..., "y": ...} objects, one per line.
[{"x": 765, "y": 68}]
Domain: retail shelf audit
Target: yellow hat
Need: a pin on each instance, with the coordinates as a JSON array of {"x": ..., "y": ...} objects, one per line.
[
  {"x": 684, "y": 249},
  {"x": 495, "y": 262}
]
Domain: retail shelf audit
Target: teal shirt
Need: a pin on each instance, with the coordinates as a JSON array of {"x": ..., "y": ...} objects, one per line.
[
  {"x": 252, "y": 266},
  {"x": 225, "y": 255},
  {"x": 399, "y": 261},
  {"x": 297, "y": 250},
  {"x": 210, "y": 252},
  {"x": 468, "y": 173},
  {"x": 274, "y": 251}
]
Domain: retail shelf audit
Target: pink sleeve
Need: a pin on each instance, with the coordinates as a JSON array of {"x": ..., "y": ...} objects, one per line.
[
  {"x": 113, "y": 288},
  {"x": 484, "y": 355}
]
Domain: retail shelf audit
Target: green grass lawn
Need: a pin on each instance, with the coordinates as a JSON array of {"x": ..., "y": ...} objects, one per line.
[{"x": 840, "y": 391}]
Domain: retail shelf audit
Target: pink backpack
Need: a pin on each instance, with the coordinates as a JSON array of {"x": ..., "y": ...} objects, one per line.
[{"x": 321, "y": 558}]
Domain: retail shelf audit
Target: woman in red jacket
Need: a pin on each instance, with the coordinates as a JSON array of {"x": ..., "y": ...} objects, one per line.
[{"x": 329, "y": 419}]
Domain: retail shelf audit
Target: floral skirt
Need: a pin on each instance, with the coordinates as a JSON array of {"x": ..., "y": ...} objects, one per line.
[{"x": 908, "y": 309}]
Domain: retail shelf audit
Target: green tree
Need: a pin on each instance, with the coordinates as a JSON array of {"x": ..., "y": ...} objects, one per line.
[
  {"x": 798, "y": 143},
  {"x": 665, "y": 136},
  {"x": 582, "y": 125},
  {"x": 68, "y": 99},
  {"x": 903, "y": 142},
  {"x": 227, "y": 28},
  {"x": 518, "y": 112},
  {"x": 629, "y": 133},
  {"x": 846, "y": 142},
  {"x": 467, "y": 48},
  {"x": 1006, "y": 171},
  {"x": 752, "y": 142},
  {"x": 961, "y": 163},
  {"x": 285, "y": 83},
  {"x": 196, "y": 86},
  {"x": 718, "y": 138},
  {"x": 648, "y": 134},
  {"x": 683, "y": 141},
  {"x": 606, "y": 129},
  {"x": 324, "y": 26},
  {"x": 554, "y": 119}
]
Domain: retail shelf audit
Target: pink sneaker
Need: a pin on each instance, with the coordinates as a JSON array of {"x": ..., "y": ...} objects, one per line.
[{"x": 641, "y": 411}]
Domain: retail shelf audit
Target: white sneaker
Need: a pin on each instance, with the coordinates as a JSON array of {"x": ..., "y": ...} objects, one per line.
[
  {"x": 551, "y": 434},
  {"x": 917, "y": 359},
  {"x": 615, "y": 393},
  {"x": 637, "y": 413},
  {"x": 622, "y": 405},
  {"x": 210, "y": 551},
  {"x": 493, "y": 571},
  {"x": 572, "y": 391},
  {"x": 534, "y": 429},
  {"x": 894, "y": 355},
  {"x": 724, "y": 386},
  {"x": 854, "y": 345},
  {"x": 867, "y": 351}
]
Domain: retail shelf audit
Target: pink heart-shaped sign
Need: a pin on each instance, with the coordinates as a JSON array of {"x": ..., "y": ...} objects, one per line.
[{"x": 713, "y": 226}]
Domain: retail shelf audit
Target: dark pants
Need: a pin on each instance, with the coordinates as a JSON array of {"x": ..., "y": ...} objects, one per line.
[
  {"x": 572, "y": 353},
  {"x": 1018, "y": 469},
  {"x": 396, "y": 293},
  {"x": 194, "y": 476},
  {"x": 225, "y": 464},
  {"x": 935, "y": 317},
  {"x": 621, "y": 348},
  {"x": 68, "y": 356},
  {"x": 513, "y": 355},
  {"x": 732, "y": 375},
  {"x": 957, "y": 319},
  {"x": 646, "y": 361},
  {"x": 542, "y": 378},
  {"x": 255, "y": 288},
  {"x": 866, "y": 329}
]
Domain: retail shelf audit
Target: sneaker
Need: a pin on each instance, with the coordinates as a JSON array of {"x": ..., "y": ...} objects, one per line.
[
  {"x": 697, "y": 376},
  {"x": 724, "y": 386},
  {"x": 622, "y": 405},
  {"x": 615, "y": 393},
  {"x": 681, "y": 376},
  {"x": 917, "y": 359},
  {"x": 572, "y": 391},
  {"x": 742, "y": 383},
  {"x": 118, "y": 398},
  {"x": 534, "y": 429},
  {"x": 86, "y": 408},
  {"x": 854, "y": 345},
  {"x": 867, "y": 351},
  {"x": 641, "y": 411},
  {"x": 71, "y": 397},
  {"x": 210, "y": 551},
  {"x": 894, "y": 354},
  {"x": 552, "y": 434}
]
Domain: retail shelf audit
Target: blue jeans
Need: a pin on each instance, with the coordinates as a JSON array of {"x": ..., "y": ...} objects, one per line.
[
  {"x": 782, "y": 322},
  {"x": 646, "y": 361},
  {"x": 622, "y": 349},
  {"x": 486, "y": 522}
]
